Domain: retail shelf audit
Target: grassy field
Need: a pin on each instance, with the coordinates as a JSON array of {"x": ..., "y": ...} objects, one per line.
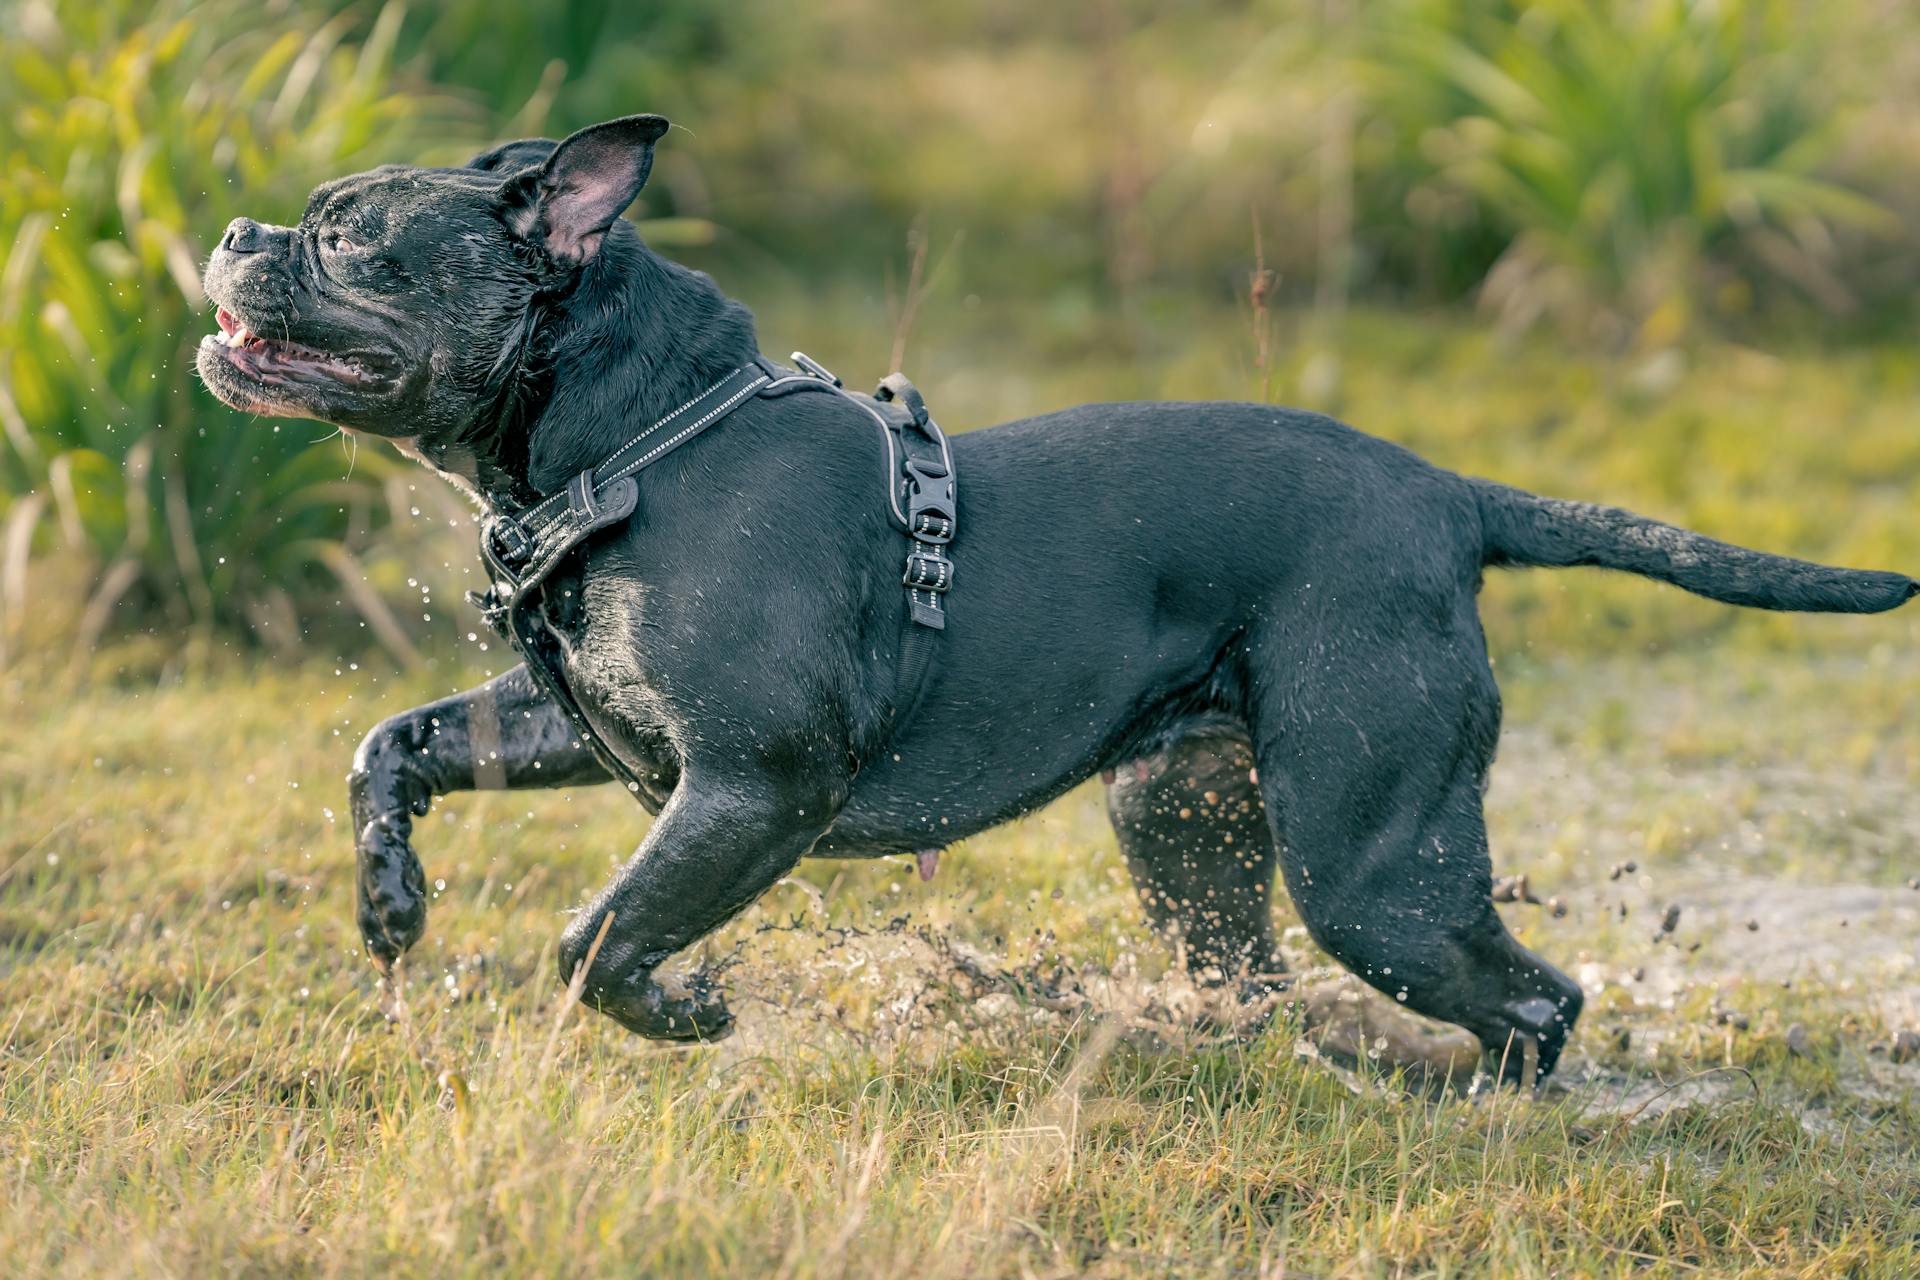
[{"x": 992, "y": 1074}]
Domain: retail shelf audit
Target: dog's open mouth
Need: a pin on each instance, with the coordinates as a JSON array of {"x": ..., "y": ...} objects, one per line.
[{"x": 279, "y": 361}]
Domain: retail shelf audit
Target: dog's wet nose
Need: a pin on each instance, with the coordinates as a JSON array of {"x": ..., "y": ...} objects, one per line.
[{"x": 244, "y": 235}]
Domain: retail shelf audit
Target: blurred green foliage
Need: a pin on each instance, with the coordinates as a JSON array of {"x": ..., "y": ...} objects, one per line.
[
  {"x": 1629, "y": 162},
  {"x": 131, "y": 138},
  {"x": 1643, "y": 170}
]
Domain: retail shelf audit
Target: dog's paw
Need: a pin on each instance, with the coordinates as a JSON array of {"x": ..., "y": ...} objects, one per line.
[
  {"x": 643, "y": 1007},
  {"x": 392, "y": 890}
]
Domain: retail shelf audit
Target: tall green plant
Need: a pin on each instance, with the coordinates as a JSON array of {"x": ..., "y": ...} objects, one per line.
[
  {"x": 128, "y": 138},
  {"x": 1628, "y": 156}
]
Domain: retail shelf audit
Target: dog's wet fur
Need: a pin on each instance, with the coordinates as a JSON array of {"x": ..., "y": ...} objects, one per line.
[{"x": 1261, "y": 621}]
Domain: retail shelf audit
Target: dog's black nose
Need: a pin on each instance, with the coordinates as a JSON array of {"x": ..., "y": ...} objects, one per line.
[{"x": 244, "y": 235}]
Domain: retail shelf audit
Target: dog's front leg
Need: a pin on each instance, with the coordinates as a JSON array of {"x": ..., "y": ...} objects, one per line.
[
  {"x": 504, "y": 734},
  {"x": 719, "y": 844}
]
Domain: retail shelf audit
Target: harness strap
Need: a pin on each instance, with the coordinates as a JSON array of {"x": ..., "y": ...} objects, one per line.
[
  {"x": 522, "y": 549},
  {"x": 525, "y": 547},
  {"x": 920, "y": 502}
]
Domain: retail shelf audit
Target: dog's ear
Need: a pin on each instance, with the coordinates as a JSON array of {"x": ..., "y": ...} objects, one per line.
[
  {"x": 566, "y": 205},
  {"x": 510, "y": 157}
]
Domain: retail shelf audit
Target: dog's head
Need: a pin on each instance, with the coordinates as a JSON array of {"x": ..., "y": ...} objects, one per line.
[{"x": 399, "y": 304}]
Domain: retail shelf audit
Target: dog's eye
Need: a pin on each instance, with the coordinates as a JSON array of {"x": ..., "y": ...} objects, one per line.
[{"x": 341, "y": 244}]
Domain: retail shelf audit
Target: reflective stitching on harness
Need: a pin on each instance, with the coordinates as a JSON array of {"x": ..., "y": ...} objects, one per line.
[
  {"x": 669, "y": 418},
  {"x": 540, "y": 510},
  {"x": 893, "y": 455},
  {"x": 709, "y": 416},
  {"x": 894, "y": 484}
]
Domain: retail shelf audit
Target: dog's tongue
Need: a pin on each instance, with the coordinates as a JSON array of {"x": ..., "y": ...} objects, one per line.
[{"x": 929, "y": 860}]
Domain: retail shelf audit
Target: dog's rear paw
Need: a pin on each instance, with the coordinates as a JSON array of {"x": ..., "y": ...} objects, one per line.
[{"x": 391, "y": 892}]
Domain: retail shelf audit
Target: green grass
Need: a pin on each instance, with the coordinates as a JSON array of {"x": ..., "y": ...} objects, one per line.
[{"x": 199, "y": 1072}]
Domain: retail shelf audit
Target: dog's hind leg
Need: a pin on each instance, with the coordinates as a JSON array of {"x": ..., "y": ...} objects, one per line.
[
  {"x": 504, "y": 734},
  {"x": 1193, "y": 828},
  {"x": 1372, "y": 760}
]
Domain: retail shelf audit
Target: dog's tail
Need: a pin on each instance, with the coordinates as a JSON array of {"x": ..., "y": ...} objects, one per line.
[{"x": 1521, "y": 528}]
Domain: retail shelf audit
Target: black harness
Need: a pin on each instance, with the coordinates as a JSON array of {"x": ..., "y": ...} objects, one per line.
[{"x": 523, "y": 548}]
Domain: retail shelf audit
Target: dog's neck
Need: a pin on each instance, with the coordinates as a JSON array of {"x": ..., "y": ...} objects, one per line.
[{"x": 636, "y": 338}]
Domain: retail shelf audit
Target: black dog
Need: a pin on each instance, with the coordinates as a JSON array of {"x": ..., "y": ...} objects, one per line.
[{"x": 1227, "y": 591}]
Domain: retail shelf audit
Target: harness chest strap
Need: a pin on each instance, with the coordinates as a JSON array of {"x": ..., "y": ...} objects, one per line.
[{"x": 523, "y": 548}]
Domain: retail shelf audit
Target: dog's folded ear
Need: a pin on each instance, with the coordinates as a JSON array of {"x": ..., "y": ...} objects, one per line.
[
  {"x": 511, "y": 157},
  {"x": 566, "y": 205}
]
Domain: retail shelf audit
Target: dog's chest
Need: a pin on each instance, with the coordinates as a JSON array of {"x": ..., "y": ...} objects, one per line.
[{"x": 619, "y": 662}]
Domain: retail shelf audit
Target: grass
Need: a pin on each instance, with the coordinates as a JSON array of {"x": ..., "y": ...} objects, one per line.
[{"x": 199, "y": 1073}]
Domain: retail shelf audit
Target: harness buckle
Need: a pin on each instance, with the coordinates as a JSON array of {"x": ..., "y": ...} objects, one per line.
[
  {"x": 929, "y": 501},
  {"x": 928, "y": 570},
  {"x": 493, "y": 607},
  {"x": 508, "y": 541}
]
